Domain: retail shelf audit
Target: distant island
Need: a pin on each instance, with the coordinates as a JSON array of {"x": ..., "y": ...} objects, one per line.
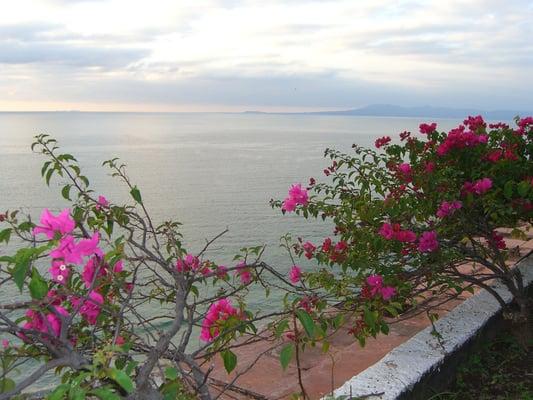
[{"x": 388, "y": 110}]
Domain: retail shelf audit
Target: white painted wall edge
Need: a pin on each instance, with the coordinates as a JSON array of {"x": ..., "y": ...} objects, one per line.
[{"x": 398, "y": 372}]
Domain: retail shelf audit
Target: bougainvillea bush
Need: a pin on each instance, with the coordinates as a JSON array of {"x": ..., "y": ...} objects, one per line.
[{"x": 410, "y": 214}]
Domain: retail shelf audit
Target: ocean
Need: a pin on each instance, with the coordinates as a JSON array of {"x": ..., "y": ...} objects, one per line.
[{"x": 210, "y": 171}]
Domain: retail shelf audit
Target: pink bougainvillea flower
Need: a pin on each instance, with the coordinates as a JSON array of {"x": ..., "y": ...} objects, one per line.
[
  {"x": 5, "y": 343},
  {"x": 295, "y": 274},
  {"x": 326, "y": 245},
  {"x": 428, "y": 128},
  {"x": 243, "y": 272},
  {"x": 457, "y": 138},
  {"x": 405, "y": 236},
  {"x": 59, "y": 272},
  {"x": 90, "y": 308},
  {"x": 309, "y": 249},
  {"x": 189, "y": 263},
  {"x": 387, "y": 292},
  {"x": 483, "y": 185},
  {"x": 46, "y": 323},
  {"x": 475, "y": 123},
  {"x": 71, "y": 252},
  {"x": 479, "y": 187},
  {"x": 382, "y": 141},
  {"x": 341, "y": 246},
  {"x": 376, "y": 287},
  {"x": 375, "y": 280},
  {"x": 494, "y": 155},
  {"x": 117, "y": 269},
  {"x": 428, "y": 242},
  {"x": 102, "y": 203},
  {"x": 386, "y": 231},
  {"x": 429, "y": 167},
  {"x": 217, "y": 313},
  {"x": 447, "y": 208},
  {"x": 297, "y": 195},
  {"x": 404, "y": 168},
  {"x": 222, "y": 272},
  {"x": 498, "y": 240},
  {"x": 51, "y": 224}
]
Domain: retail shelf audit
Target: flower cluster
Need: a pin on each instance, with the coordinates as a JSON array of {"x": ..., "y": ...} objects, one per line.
[
  {"x": 295, "y": 274},
  {"x": 217, "y": 314},
  {"x": 457, "y": 139},
  {"x": 394, "y": 231},
  {"x": 447, "y": 208},
  {"x": 383, "y": 141},
  {"x": 297, "y": 195},
  {"x": 428, "y": 242},
  {"x": 375, "y": 287},
  {"x": 478, "y": 187}
]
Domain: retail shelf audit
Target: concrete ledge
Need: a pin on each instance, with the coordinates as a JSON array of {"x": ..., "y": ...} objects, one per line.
[{"x": 403, "y": 372}]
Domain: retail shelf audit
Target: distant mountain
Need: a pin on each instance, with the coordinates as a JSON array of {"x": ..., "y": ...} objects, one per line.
[{"x": 388, "y": 110}]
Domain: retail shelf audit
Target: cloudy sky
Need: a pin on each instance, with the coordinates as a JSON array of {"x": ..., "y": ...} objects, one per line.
[{"x": 231, "y": 55}]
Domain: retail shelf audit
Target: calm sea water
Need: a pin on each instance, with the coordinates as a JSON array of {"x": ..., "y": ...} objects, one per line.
[{"x": 209, "y": 171}]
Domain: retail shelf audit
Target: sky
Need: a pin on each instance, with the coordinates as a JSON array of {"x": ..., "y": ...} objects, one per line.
[{"x": 269, "y": 55}]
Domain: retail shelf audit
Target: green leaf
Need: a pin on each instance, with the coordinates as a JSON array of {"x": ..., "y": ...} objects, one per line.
[
  {"x": 230, "y": 360},
  {"x": 136, "y": 194},
  {"x": 370, "y": 317},
  {"x": 307, "y": 322},
  {"x": 38, "y": 286},
  {"x": 20, "y": 271},
  {"x": 48, "y": 176},
  {"x": 105, "y": 394},
  {"x": 171, "y": 373},
  {"x": 5, "y": 235},
  {"x": 508, "y": 189},
  {"x": 59, "y": 393},
  {"x": 65, "y": 192},
  {"x": 281, "y": 327},
  {"x": 45, "y": 167},
  {"x": 523, "y": 188},
  {"x": 7, "y": 385},
  {"x": 76, "y": 393},
  {"x": 285, "y": 355},
  {"x": 121, "y": 378}
]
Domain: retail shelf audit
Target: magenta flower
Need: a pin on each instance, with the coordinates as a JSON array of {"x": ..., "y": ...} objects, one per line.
[
  {"x": 376, "y": 287},
  {"x": 102, "y": 203},
  {"x": 405, "y": 236},
  {"x": 59, "y": 272},
  {"x": 386, "y": 231},
  {"x": 404, "y": 168},
  {"x": 50, "y": 224},
  {"x": 222, "y": 272},
  {"x": 387, "y": 292},
  {"x": 189, "y": 263},
  {"x": 375, "y": 280},
  {"x": 5, "y": 343},
  {"x": 382, "y": 141},
  {"x": 72, "y": 253},
  {"x": 428, "y": 242},
  {"x": 447, "y": 208},
  {"x": 216, "y": 315},
  {"x": 428, "y": 128},
  {"x": 90, "y": 308},
  {"x": 243, "y": 272},
  {"x": 483, "y": 185},
  {"x": 297, "y": 195},
  {"x": 295, "y": 274}
]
